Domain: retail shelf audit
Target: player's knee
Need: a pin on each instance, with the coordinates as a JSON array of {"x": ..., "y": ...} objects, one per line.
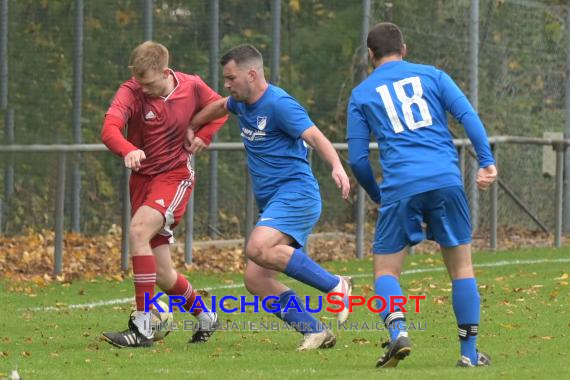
[
  {"x": 165, "y": 276},
  {"x": 254, "y": 251},
  {"x": 165, "y": 282},
  {"x": 139, "y": 232}
]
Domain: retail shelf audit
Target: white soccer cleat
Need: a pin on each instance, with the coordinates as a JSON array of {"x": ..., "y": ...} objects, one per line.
[
  {"x": 344, "y": 287},
  {"x": 323, "y": 339}
]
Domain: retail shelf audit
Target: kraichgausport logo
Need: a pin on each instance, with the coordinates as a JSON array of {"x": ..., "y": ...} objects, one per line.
[{"x": 269, "y": 304}]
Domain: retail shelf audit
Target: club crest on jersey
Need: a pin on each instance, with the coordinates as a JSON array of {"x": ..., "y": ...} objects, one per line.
[
  {"x": 150, "y": 115},
  {"x": 261, "y": 122}
]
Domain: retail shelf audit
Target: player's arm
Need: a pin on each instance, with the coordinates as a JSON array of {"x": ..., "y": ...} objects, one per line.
[
  {"x": 293, "y": 120},
  {"x": 205, "y": 133},
  {"x": 215, "y": 110},
  {"x": 112, "y": 131},
  {"x": 358, "y": 137},
  {"x": 458, "y": 105},
  {"x": 315, "y": 138}
]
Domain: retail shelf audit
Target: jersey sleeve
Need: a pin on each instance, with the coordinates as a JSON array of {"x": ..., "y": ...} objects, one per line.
[
  {"x": 231, "y": 105},
  {"x": 291, "y": 117},
  {"x": 123, "y": 104},
  {"x": 458, "y": 105},
  {"x": 357, "y": 127},
  {"x": 205, "y": 95},
  {"x": 358, "y": 136},
  {"x": 117, "y": 116}
]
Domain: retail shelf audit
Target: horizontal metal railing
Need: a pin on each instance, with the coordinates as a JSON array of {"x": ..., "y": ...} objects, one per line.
[{"x": 559, "y": 145}]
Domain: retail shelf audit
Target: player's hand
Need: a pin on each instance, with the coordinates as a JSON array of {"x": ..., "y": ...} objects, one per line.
[
  {"x": 197, "y": 145},
  {"x": 486, "y": 176},
  {"x": 189, "y": 138},
  {"x": 341, "y": 180},
  {"x": 133, "y": 159}
]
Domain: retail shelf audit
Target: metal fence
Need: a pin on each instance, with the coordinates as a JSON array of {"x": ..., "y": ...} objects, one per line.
[
  {"x": 61, "y": 62},
  {"x": 559, "y": 146}
]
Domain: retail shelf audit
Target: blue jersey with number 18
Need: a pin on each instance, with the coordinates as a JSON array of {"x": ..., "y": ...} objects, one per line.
[{"x": 404, "y": 106}]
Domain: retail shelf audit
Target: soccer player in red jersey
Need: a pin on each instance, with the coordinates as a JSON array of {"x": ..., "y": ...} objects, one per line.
[{"x": 156, "y": 105}]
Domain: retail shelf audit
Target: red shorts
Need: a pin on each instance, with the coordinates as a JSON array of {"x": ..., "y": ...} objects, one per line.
[{"x": 167, "y": 193}]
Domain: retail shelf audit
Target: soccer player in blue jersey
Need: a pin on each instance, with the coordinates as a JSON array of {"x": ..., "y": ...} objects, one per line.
[
  {"x": 274, "y": 129},
  {"x": 404, "y": 106}
]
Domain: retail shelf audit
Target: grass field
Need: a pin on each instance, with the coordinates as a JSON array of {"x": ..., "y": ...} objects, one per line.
[{"x": 525, "y": 327}]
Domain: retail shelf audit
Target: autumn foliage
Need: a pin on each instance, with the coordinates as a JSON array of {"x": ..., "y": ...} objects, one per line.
[{"x": 30, "y": 256}]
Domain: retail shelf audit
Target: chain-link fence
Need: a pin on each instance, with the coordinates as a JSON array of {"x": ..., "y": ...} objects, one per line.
[{"x": 521, "y": 87}]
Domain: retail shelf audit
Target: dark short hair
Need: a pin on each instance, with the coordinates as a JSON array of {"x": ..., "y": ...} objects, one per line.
[
  {"x": 385, "y": 39},
  {"x": 242, "y": 54}
]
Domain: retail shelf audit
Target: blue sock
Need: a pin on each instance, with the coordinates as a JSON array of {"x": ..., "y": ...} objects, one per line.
[
  {"x": 395, "y": 322},
  {"x": 303, "y": 321},
  {"x": 302, "y": 268},
  {"x": 466, "y": 305}
]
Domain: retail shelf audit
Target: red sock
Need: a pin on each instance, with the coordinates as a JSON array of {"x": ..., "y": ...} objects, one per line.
[
  {"x": 144, "y": 268},
  {"x": 183, "y": 288}
]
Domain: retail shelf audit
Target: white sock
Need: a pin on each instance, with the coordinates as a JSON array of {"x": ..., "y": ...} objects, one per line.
[
  {"x": 142, "y": 321},
  {"x": 337, "y": 287},
  {"x": 206, "y": 319}
]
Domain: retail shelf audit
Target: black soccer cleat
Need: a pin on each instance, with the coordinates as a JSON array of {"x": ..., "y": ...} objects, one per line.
[
  {"x": 205, "y": 331},
  {"x": 397, "y": 350},
  {"x": 131, "y": 337},
  {"x": 483, "y": 360}
]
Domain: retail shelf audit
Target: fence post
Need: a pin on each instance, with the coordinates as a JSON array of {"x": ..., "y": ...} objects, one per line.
[
  {"x": 462, "y": 149},
  {"x": 567, "y": 126},
  {"x": 472, "y": 191},
  {"x": 494, "y": 201},
  {"x": 126, "y": 222},
  {"x": 76, "y": 116},
  {"x": 59, "y": 214},
  {"x": 9, "y": 171},
  {"x": 4, "y": 55},
  {"x": 276, "y": 40},
  {"x": 360, "y": 219},
  {"x": 362, "y": 73},
  {"x": 126, "y": 209},
  {"x": 9, "y": 115},
  {"x": 249, "y": 207},
  {"x": 307, "y": 248},
  {"x": 560, "y": 150},
  {"x": 213, "y": 190},
  {"x": 147, "y": 19},
  {"x": 189, "y": 236}
]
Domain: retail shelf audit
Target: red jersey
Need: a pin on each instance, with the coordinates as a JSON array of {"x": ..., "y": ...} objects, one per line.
[{"x": 157, "y": 125}]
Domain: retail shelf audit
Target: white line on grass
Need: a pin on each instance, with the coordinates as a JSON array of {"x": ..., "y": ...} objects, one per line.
[{"x": 121, "y": 301}]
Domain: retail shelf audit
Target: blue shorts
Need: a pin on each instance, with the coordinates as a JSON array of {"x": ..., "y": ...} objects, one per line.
[
  {"x": 445, "y": 212},
  {"x": 294, "y": 214}
]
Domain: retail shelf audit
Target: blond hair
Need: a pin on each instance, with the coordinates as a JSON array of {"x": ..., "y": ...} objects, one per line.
[{"x": 148, "y": 56}]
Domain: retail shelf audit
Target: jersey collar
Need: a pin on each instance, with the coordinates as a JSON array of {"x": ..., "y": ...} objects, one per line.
[{"x": 165, "y": 98}]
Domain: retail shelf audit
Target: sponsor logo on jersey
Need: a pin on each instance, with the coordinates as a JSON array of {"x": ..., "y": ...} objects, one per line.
[{"x": 252, "y": 135}]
